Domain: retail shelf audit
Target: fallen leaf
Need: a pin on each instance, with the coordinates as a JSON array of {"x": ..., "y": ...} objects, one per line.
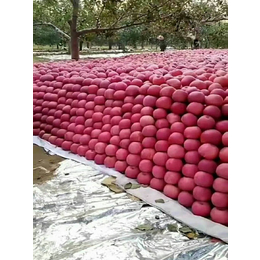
[
  {"x": 200, "y": 235},
  {"x": 185, "y": 230},
  {"x": 159, "y": 201},
  {"x": 172, "y": 227},
  {"x": 108, "y": 181},
  {"x": 115, "y": 188},
  {"x": 191, "y": 235},
  {"x": 144, "y": 227},
  {"x": 135, "y": 186},
  {"x": 128, "y": 186},
  {"x": 133, "y": 197}
]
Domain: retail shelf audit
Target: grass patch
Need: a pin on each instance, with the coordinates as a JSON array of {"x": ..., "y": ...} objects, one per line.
[{"x": 45, "y": 48}]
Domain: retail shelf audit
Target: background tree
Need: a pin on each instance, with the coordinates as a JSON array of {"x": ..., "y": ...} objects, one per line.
[
  {"x": 46, "y": 36},
  {"x": 84, "y": 17},
  {"x": 215, "y": 35}
]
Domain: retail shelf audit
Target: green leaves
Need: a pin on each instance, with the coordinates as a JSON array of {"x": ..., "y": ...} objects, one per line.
[
  {"x": 44, "y": 35},
  {"x": 128, "y": 186},
  {"x": 185, "y": 230},
  {"x": 191, "y": 235},
  {"x": 172, "y": 227},
  {"x": 174, "y": 19},
  {"x": 56, "y": 12},
  {"x": 110, "y": 183},
  {"x": 215, "y": 35},
  {"x": 159, "y": 201},
  {"x": 132, "y": 186},
  {"x": 110, "y": 13},
  {"x": 133, "y": 198},
  {"x": 144, "y": 227}
]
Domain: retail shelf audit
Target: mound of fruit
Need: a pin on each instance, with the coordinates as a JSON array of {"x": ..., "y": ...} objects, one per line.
[{"x": 159, "y": 118}]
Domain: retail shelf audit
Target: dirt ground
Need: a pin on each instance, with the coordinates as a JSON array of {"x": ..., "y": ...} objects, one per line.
[{"x": 44, "y": 165}]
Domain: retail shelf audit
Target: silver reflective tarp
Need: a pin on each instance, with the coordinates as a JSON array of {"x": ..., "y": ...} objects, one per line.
[
  {"x": 75, "y": 217},
  {"x": 149, "y": 195}
]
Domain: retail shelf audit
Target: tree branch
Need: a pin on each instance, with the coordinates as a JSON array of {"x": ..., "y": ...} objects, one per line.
[
  {"x": 103, "y": 30},
  {"x": 120, "y": 17},
  {"x": 101, "y": 11},
  {"x": 212, "y": 20},
  {"x": 75, "y": 3},
  {"x": 55, "y": 27},
  {"x": 125, "y": 13}
]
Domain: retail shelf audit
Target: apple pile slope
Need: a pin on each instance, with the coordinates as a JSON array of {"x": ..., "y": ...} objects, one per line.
[{"x": 159, "y": 118}]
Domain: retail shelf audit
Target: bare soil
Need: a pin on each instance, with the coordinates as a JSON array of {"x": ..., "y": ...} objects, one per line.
[{"x": 44, "y": 165}]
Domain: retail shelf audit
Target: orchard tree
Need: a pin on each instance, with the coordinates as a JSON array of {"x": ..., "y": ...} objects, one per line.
[
  {"x": 100, "y": 16},
  {"x": 78, "y": 18},
  {"x": 205, "y": 12},
  {"x": 53, "y": 14},
  {"x": 113, "y": 15},
  {"x": 216, "y": 35},
  {"x": 46, "y": 36},
  {"x": 192, "y": 18}
]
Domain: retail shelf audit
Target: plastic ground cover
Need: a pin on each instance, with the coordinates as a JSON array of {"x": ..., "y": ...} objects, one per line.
[
  {"x": 149, "y": 195},
  {"x": 75, "y": 217}
]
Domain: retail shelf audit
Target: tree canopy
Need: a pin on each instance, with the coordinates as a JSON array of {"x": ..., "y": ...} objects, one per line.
[
  {"x": 45, "y": 36},
  {"x": 130, "y": 20},
  {"x": 101, "y": 16}
]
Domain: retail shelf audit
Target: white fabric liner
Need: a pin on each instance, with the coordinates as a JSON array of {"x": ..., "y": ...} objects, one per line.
[
  {"x": 149, "y": 195},
  {"x": 55, "y": 57}
]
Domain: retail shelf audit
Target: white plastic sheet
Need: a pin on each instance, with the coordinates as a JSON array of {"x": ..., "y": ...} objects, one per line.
[{"x": 54, "y": 57}]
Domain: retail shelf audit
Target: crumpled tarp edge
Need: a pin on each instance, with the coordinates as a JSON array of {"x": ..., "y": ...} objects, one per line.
[{"x": 147, "y": 194}]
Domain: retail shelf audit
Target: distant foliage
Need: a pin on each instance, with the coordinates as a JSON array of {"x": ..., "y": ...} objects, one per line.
[
  {"x": 45, "y": 36},
  {"x": 175, "y": 20},
  {"x": 216, "y": 36}
]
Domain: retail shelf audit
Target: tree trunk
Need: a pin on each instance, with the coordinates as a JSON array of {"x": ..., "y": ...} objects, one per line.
[
  {"x": 123, "y": 47},
  {"x": 88, "y": 46},
  {"x": 81, "y": 45},
  {"x": 74, "y": 46},
  {"x": 73, "y": 32},
  {"x": 142, "y": 43},
  {"x": 69, "y": 47},
  {"x": 110, "y": 44}
]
